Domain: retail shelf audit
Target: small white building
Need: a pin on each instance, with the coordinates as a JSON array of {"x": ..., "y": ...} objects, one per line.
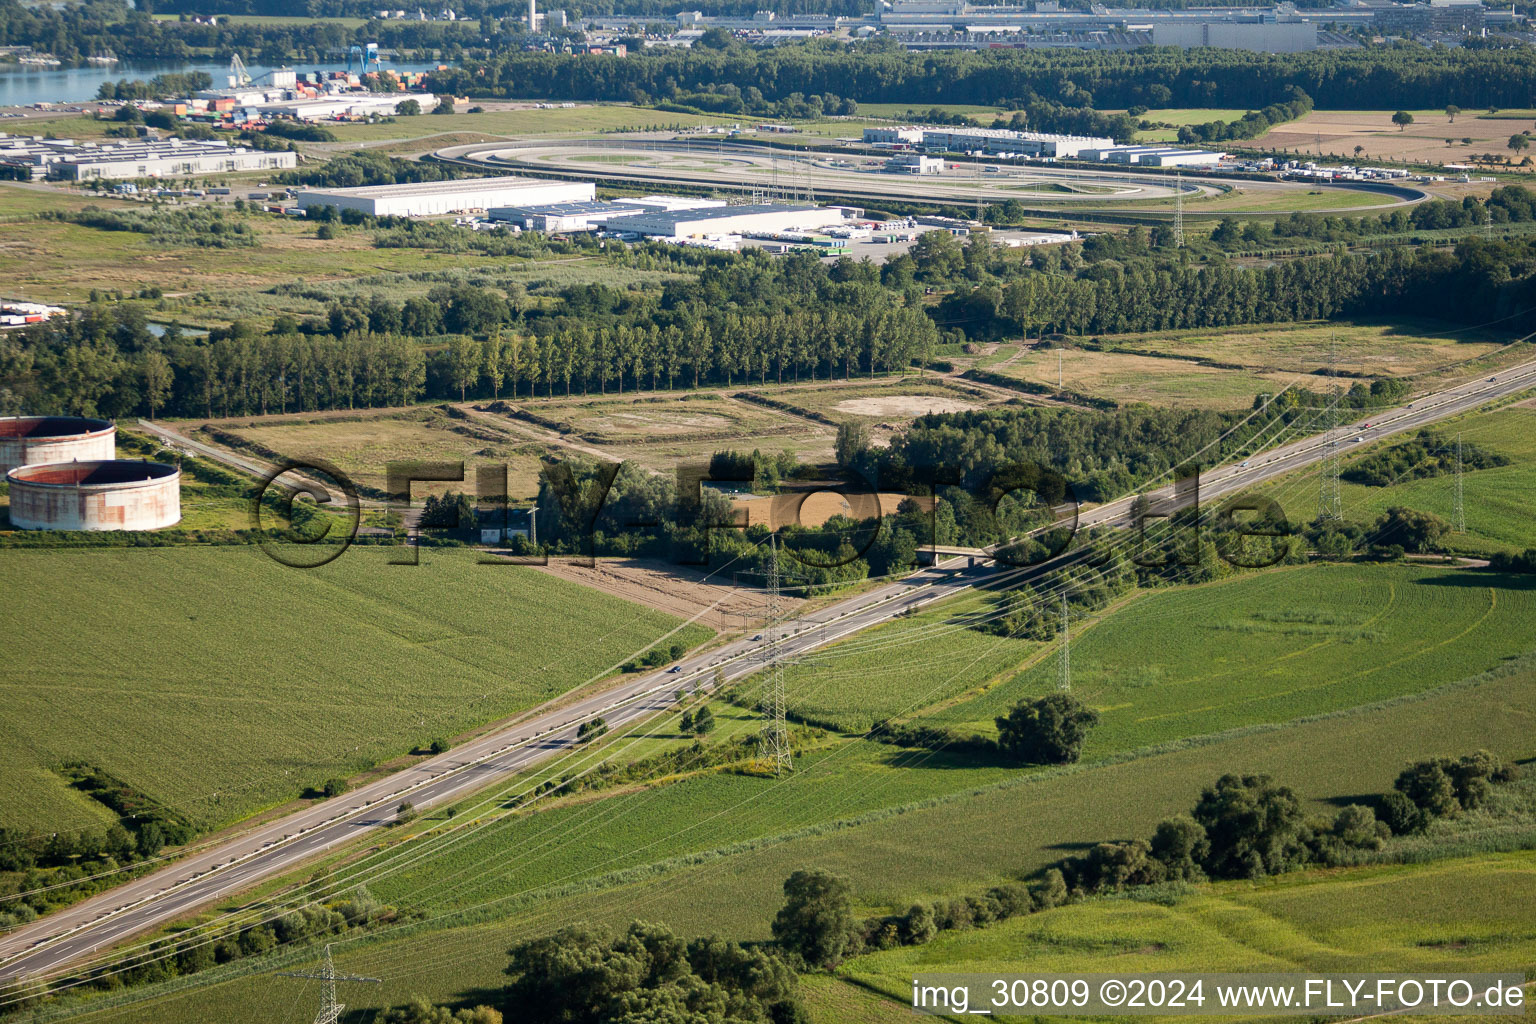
[{"x": 914, "y": 163}]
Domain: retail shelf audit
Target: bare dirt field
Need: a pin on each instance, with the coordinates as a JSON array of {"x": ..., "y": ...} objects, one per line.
[
  {"x": 363, "y": 444},
  {"x": 709, "y": 593},
  {"x": 815, "y": 508},
  {"x": 1336, "y": 133},
  {"x": 910, "y": 406}
]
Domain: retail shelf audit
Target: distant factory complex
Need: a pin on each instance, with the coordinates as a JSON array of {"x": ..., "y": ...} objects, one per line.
[
  {"x": 939, "y": 24},
  {"x": 1008, "y": 144},
  {"x": 989, "y": 141},
  {"x": 67, "y": 159},
  {"x": 285, "y": 93}
]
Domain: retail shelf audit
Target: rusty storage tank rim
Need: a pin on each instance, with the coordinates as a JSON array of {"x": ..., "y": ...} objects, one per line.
[
  {"x": 53, "y": 428},
  {"x": 106, "y": 474}
]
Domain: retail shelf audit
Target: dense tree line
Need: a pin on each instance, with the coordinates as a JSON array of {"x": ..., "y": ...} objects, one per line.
[
  {"x": 75, "y": 31},
  {"x": 1480, "y": 281},
  {"x": 1406, "y": 75},
  {"x": 172, "y": 83},
  {"x": 1427, "y": 454},
  {"x": 588, "y": 975},
  {"x": 727, "y": 319},
  {"x": 1069, "y": 112},
  {"x": 365, "y": 167},
  {"x": 1252, "y": 124}
]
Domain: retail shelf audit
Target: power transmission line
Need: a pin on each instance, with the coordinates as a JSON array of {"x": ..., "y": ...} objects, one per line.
[
  {"x": 330, "y": 1009},
  {"x": 773, "y": 742}
]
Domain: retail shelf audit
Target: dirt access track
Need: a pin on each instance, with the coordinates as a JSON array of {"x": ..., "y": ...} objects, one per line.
[{"x": 710, "y": 593}]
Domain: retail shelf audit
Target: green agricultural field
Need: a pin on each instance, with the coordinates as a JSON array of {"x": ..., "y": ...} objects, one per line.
[
  {"x": 970, "y": 840},
  {"x": 1275, "y": 646},
  {"x": 228, "y": 722},
  {"x": 1500, "y": 516},
  {"x": 922, "y": 660},
  {"x": 1470, "y": 914},
  {"x": 1178, "y": 116}
]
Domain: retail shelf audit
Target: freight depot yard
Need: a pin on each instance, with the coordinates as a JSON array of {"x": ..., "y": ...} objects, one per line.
[{"x": 864, "y": 175}]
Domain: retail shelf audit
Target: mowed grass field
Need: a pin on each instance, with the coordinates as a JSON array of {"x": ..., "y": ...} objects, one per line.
[
  {"x": 220, "y": 682},
  {"x": 1406, "y": 348},
  {"x": 902, "y": 667},
  {"x": 939, "y": 846},
  {"x": 1469, "y": 914},
  {"x": 1500, "y": 516},
  {"x": 1127, "y": 378},
  {"x": 529, "y": 121},
  {"x": 1272, "y": 647}
]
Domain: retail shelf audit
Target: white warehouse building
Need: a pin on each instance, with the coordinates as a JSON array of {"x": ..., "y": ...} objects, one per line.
[
  {"x": 993, "y": 141},
  {"x": 1154, "y": 156},
  {"x": 134, "y": 158},
  {"x": 760, "y": 219},
  {"x": 436, "y": 198}
]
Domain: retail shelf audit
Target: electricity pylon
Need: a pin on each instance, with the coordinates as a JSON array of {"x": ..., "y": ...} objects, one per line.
[
  {"x": 330, "y": 1009},
  {"x": 1459, "y": 506},
  {"x": 1330, "y": 505},
  {"x": 773, "y": 741},
  {"x": 1178, "y": 211},
  {"x": 1064, "y": 655}
]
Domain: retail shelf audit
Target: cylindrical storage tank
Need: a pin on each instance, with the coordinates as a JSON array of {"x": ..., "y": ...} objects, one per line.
[
  {"x": 102, "y": 495},
  {"x": 33, "y": 440}
]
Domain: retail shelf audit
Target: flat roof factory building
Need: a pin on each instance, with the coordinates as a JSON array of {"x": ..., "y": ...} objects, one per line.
[
  {"x": 1154, "y": 156},
  {"x": 993, "y": 141},
  {"x": 593, "y": 214},
  {"x": 436, "y": 198},
  {"x": 70, "y": 160},
  {"x": 761, "y": 219}
]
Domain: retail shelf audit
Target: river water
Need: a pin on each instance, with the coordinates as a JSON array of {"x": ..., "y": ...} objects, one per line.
[{"x": 23, "y": 84}]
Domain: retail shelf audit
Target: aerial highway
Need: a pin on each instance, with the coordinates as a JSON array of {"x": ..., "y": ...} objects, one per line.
[{"x": 56, "y": 944}]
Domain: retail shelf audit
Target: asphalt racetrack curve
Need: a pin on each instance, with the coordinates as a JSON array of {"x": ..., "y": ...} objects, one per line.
[{"x": 703, "y": 162}]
